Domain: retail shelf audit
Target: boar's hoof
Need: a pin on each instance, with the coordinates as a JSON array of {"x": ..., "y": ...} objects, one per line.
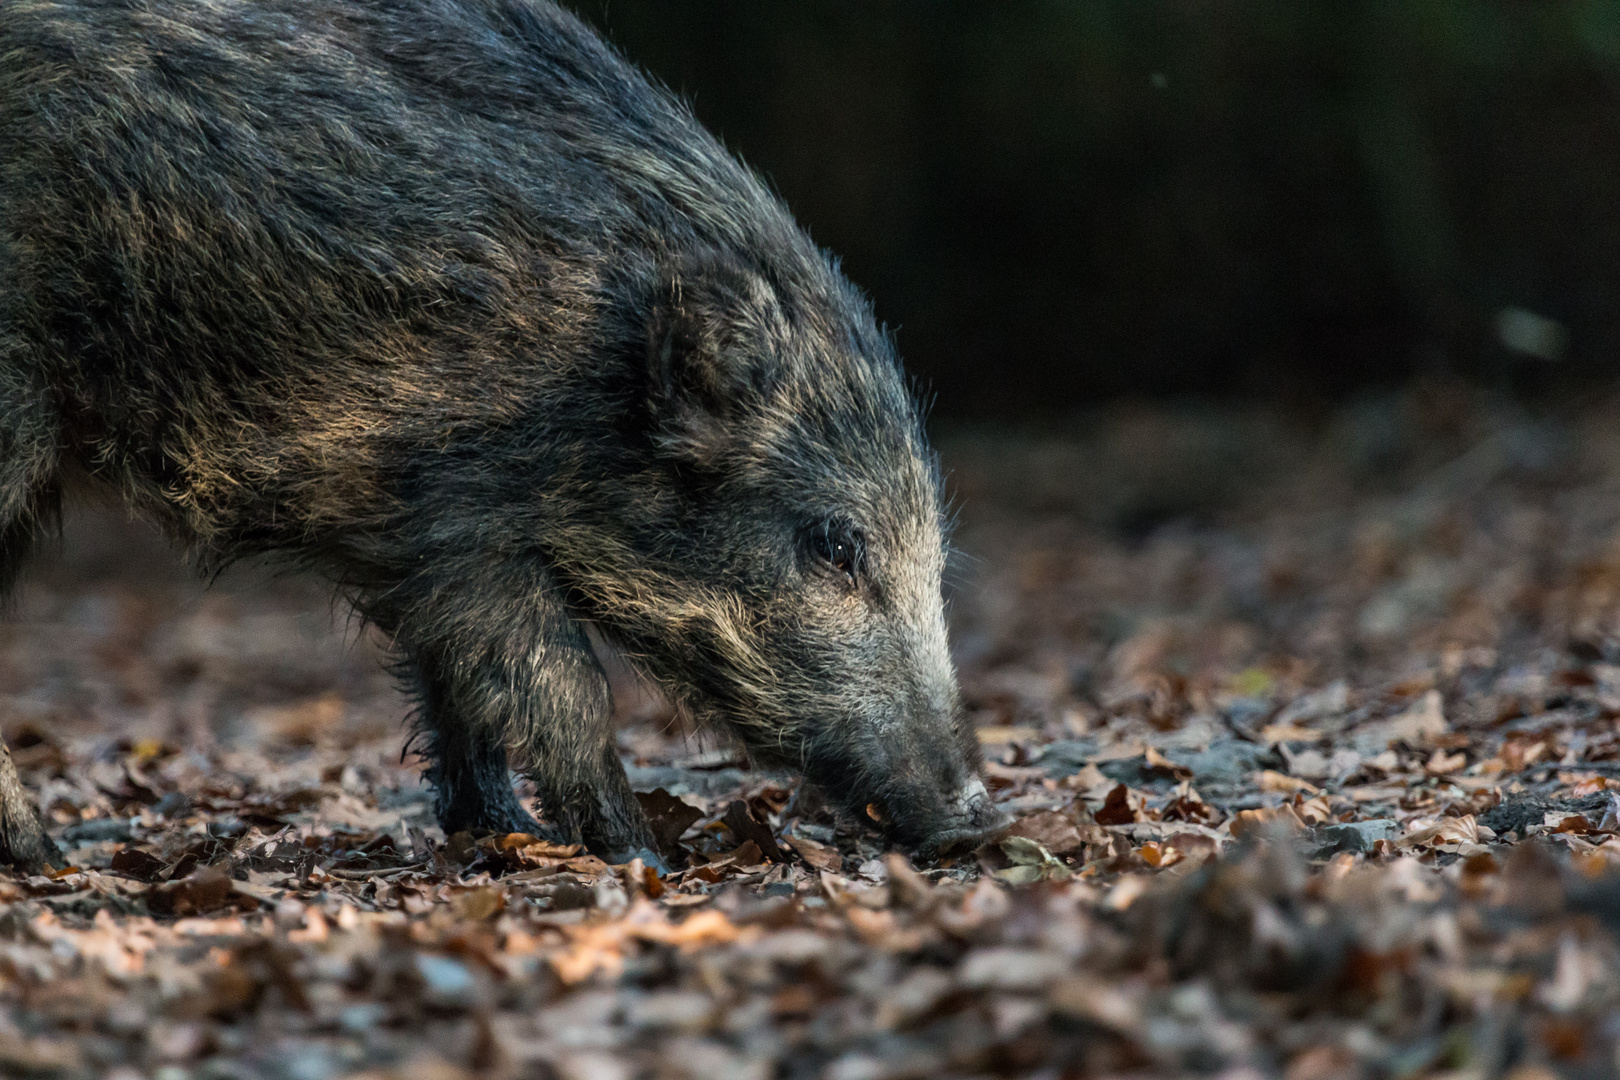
[
  {"x": 649, "y": 858},
  {"x": 23, "y": 840},
  {"x": 24, "y": 845}
]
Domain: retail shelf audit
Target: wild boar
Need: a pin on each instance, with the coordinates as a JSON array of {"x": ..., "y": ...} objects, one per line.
[{"x": 443, "y": 300}]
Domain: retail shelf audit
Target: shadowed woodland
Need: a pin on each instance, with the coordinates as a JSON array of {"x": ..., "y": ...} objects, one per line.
[{"x": 1272, "y": 352}]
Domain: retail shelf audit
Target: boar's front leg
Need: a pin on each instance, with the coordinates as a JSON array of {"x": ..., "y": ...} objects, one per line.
[
  {"x": 567, "y": 733},
  {"x": 27, "y": 502},
  {"x": 23, "y": 841},
  {"x": 472, "y": 788},
  {"x": 543, "y": 691}
]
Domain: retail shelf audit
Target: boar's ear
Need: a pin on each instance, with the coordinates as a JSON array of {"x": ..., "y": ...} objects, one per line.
[{"x": 712, "y": 339}]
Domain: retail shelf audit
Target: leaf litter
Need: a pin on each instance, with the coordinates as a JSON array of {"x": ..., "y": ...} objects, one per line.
[{"x": 1311, "y": 743}]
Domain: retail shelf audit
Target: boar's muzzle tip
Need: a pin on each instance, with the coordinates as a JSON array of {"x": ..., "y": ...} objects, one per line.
[{"x": 977, "y": 821}]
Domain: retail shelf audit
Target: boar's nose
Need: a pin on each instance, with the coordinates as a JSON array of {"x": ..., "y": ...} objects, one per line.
[{"x": 971, "y": 819}]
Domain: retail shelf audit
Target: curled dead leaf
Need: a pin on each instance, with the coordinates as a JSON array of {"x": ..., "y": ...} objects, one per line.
[
  {"x": 478, "y": 904},
  {"x": 1053, "y": 829},
  {"x": 1270, "y": 780},
  {"x": 1031, "y": 862},
  {"x": 669, "y": 817},
  {"x": 746, "y": 827},
  {"x": 1159, "y": 857},
  {"x": 1575, "y": 824},
  {"x": 207, "y": 889},
  {"x": 701, "y": 929},
  {"x": 1159, "y": 765},
  {"x": 1246, "y": 821},
  {"x": 1120, "y": 807},
  {"x": 818, "y": 856}
]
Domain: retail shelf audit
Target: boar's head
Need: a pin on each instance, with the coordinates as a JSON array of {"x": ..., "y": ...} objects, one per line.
[{"x": 781, "y": 555}]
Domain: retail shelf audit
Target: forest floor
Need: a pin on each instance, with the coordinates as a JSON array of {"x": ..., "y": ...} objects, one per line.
[{"x": 1309, "y": 724}]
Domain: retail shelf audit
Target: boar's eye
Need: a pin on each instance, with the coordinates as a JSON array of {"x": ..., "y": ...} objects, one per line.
[{"x": 840, "y": 548}]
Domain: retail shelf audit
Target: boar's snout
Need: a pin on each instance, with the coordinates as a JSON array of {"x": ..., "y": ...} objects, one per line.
[
  {"x": 930, "y": 806},
  {"x": 969, "y": 819}
]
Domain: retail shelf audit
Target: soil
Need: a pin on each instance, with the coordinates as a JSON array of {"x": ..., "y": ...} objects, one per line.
[{"x": 1309, "y": 723}]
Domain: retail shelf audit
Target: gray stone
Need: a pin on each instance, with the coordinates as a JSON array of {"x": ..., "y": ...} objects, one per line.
[
  {"x": 98, "y": 829},
  {"x": 1134, "y": 772},
  {"x": 1067, "y": 756},
  {"x": 304, "y": 1061},
  {"x": 1228, "y": 761},
  {"x": 1225, "y": 762},
  {"x": 1356, "y": 837},
  {"x": 678, "y": 781},
  {"x": 447, "y": 983},
  {"x": 1248, "y": 715}
]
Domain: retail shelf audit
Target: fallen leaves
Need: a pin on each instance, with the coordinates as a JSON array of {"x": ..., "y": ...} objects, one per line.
[
  {"x": 206, "y": 889},
  {"x": 1418, "y": 725},
  {"x": 1260, "y": 834},
  {"x": 601, "y": 946},
  {"x": 1054, "y": 831}
]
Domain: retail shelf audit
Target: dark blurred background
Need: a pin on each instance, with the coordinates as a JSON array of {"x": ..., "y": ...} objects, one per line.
[{"x": 1058, "y": 204}]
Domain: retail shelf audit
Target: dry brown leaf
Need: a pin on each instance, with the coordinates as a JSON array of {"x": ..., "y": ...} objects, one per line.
[
  {"x": 747, "y": 828},
  {"x": 907, "y": 887},
  {"x": 1272, "y": 734},
  {"x": 1090, "y": 781},
  {"x": 478, "y": 904},
  {"x": 1246, "y": 821},
  {"x": 1121, "y": 807},
  {"x": 1159, "y": 857},
  {"x": 139, "y": 863},
  {"x": 669, "y": 817},
  {"x": 1578, "y": 824},
  {"x": 699, "y": 930},
  {"x": 588, "y": 865},
  {"x": 534, "y": 848},
  {"x": 1314, "y": 811},
  {"x": 207, "y": 889},
  {"x": 1100, "y": 1004},
  {"x": 818, "y": 856},
  {"x": 1269, "y": 780},
  {"x": 1440, "y": 763},
  {"x": 997, "y": 735},
  {"x": 1419, "y": 725},
  {"x": 872, "y": 927},
  {"x": 1194, "y": 847},
  {"x": 1159, "y": 765},
  {"x": 1449, "y": 830}
]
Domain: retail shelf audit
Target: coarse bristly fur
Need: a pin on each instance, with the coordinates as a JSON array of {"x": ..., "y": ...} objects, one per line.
[{"x": 443, "y": 300}]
